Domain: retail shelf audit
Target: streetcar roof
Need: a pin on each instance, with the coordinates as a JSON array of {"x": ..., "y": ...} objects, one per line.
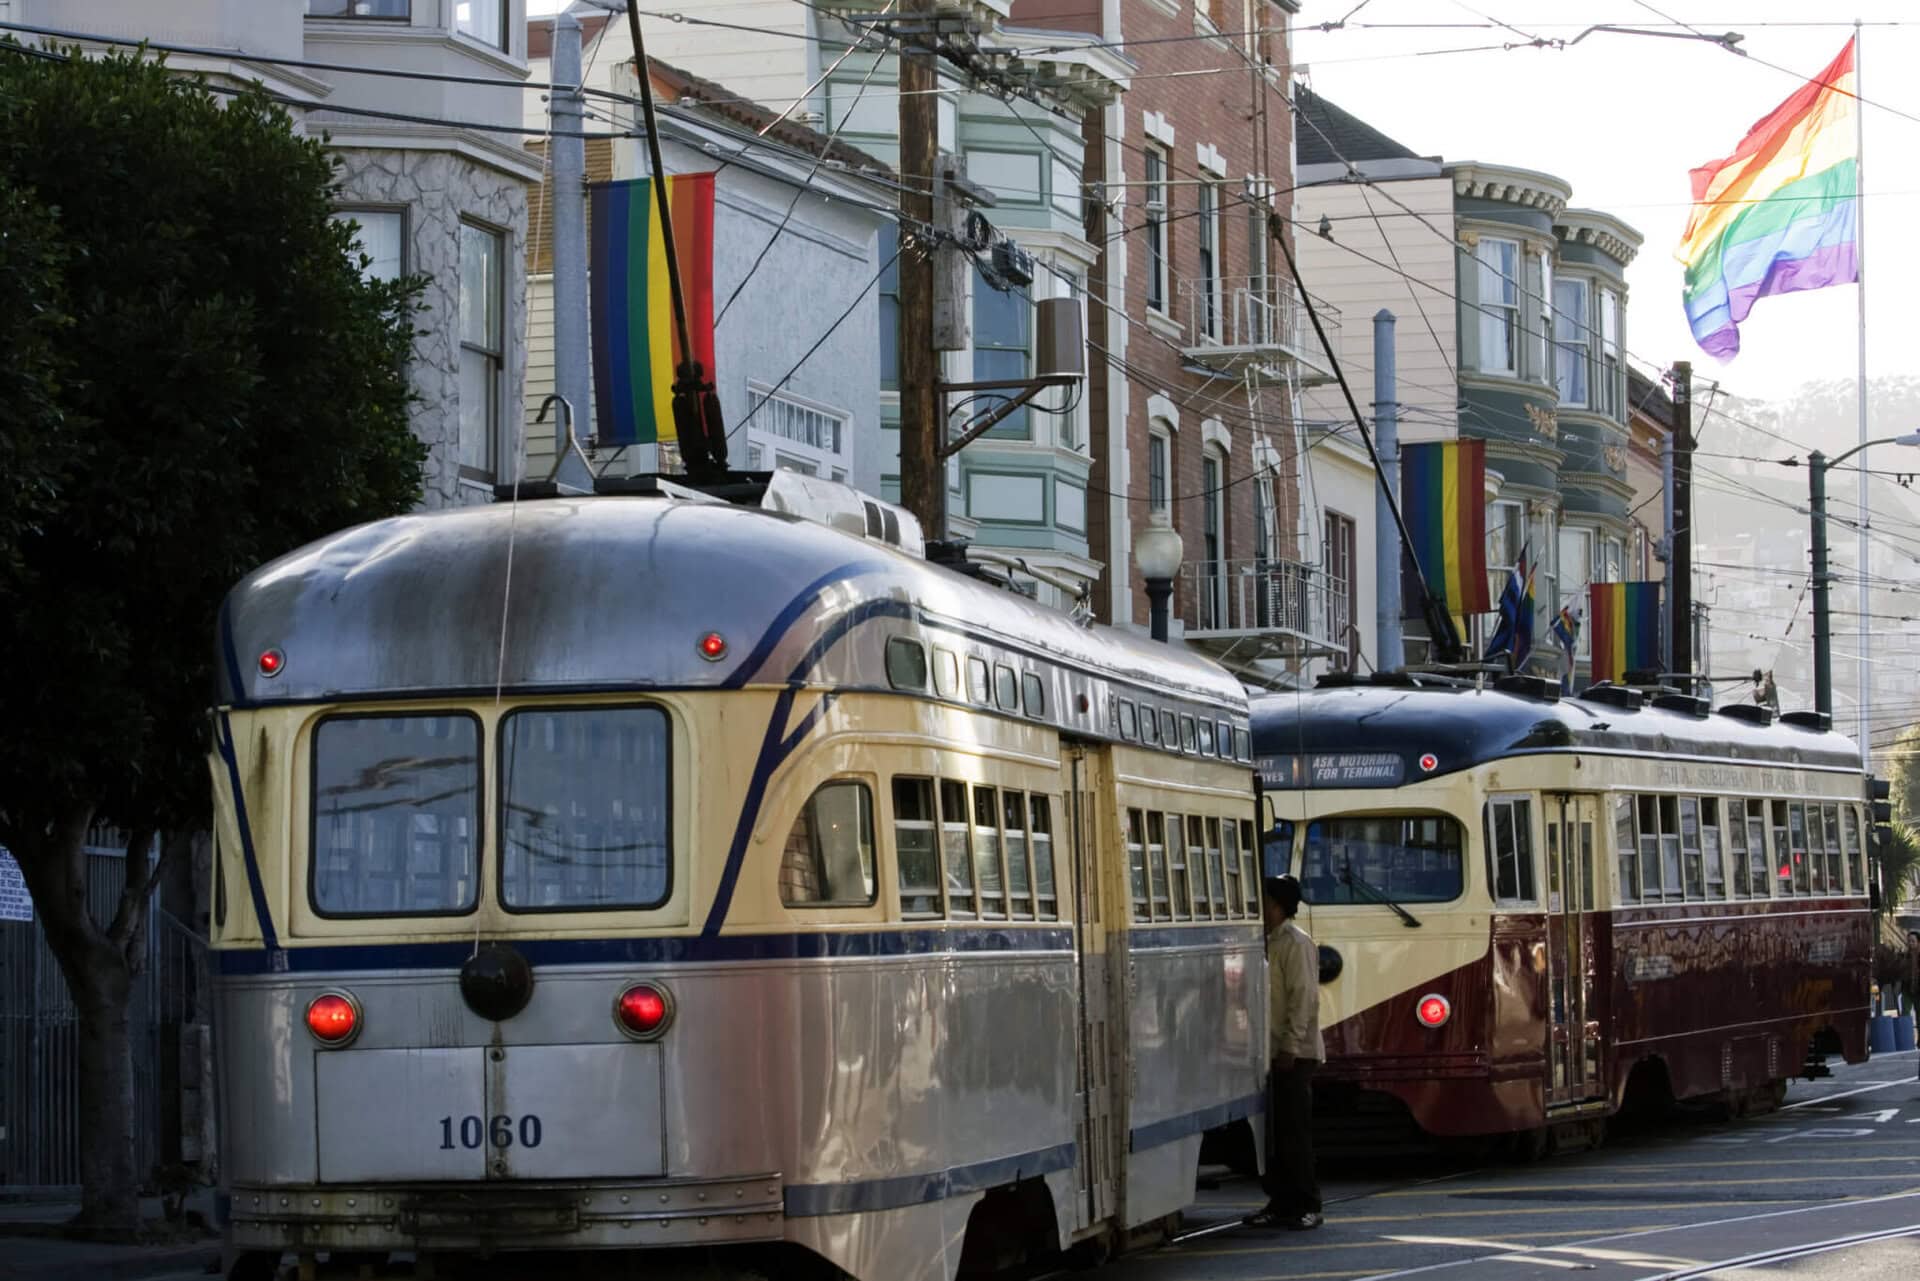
[
  {"x": 1298, "y": 735},
  {"x": 610, "y": 593}
]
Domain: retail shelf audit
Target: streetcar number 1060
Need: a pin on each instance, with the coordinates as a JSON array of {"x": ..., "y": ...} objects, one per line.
[{"x": 501, "y": 1131}]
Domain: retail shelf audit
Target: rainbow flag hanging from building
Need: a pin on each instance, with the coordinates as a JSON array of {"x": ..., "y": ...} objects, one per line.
[
  {"x": 1624, "y": 619},
  {"x": 1778, "y": 215},
  {"x": 1443, "y": 485},
  {"x": 635, "y": 346}
]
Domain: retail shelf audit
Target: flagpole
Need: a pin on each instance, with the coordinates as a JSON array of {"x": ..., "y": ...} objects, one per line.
[{"x": 1860, "y": 270}]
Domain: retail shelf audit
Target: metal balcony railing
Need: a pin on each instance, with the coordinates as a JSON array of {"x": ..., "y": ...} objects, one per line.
[
  {"x": 1258, "y": 317},
  {"x": 1252, "y": 597}
]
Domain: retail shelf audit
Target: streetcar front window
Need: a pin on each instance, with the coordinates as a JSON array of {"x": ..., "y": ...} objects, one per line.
[
  {"x": 396, "y": 815},
  {"x": 1407, "y": 859},
  {"x": 584, "y": 797}
]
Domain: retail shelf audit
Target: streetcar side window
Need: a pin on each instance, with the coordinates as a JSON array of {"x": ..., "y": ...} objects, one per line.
[
  {"x": 1137, "y": 863},
  {"x": 1224, "y": 736},
  {"x": 1249, "y": 876},
  {"x": 1624, "y": 849},
  {"x": 1737, "y": 849},
  {"x": 1276, "y": 857},
  {"x": 1670, "y": 876},
  {"x": 1782, "y": 853},
  {"x": 946, "y": 673},
  {"x": 1406, "y": 858},
  {"x": 1177, "y": 884},
  {"x": 1230, "y": 836},
  {"x": 1157, "y": 863},
  {"x": 956, "y": 847},
  {"x": 1129, "y": 720},
  {"x": 1013, "y": 807},
  {"x": 1850, "y": 824},
  {"x": 1006, "y": 688},
  {"x": 1033, "y": 694},
  {"x": 916, "y": 849},
  {"x": 1757, "y": 848},
  {"x": 1149, "y": 726},
  {"x": 1690, "y": 846},
  {"x": 1189, "y": 735},
  {"x": 1206, "y": 738},
  {"x": 906, "y": 663},
  {"x": 828, "y": 860},
  {"x": 1710, "y": 852},
  {"x": 979, "y": 685},
  {"x": 1797, "y": 834},
  {"x": 1242, "y": 745},
  {"x": 396, "y": 815},
  {"x": 1197, "y": 867},
  {"x": 1836, "y": 879},
  {"x": 1510, "y": 844},
  {"x": 1046, "y": 895},
  {"x": 986, "y": 852}
]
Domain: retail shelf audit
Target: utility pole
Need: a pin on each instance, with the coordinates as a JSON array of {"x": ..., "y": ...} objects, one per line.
[
  {"x": 923, "y": 472},
  {"x": 1822, "y": 619},
  {"x": 1680, "y": 527},
  {"x": 572, "y": 360},
  {"x": 1389, "y": 649}
]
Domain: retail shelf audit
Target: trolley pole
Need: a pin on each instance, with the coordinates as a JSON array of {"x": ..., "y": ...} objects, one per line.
[
  {"x": 1822, "y": 619},
  {"x": 923, "y": 471}
]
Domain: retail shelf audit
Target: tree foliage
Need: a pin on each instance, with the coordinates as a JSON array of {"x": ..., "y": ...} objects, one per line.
[
  {"x": 197, "y": 379},
  {"x": 1903, "y": 776}
]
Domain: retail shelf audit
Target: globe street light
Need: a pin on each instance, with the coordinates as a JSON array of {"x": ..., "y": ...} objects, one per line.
[
  {"x": 1818, "y": 464},
  {"x": 1157, "y": 549}
]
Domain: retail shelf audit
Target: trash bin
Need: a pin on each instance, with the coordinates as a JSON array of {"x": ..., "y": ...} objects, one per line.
[
  {"x": 1880, "y": 1034},
  {"x": 1903, "y": 1032}
]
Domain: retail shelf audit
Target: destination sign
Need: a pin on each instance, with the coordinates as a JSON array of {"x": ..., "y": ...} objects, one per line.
[{"x": 1333, "y": 769}]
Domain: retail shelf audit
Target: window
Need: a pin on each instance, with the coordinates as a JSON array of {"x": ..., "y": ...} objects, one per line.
[
  {"x": 393, "y": 9},
  {"x": 1002, "y": 338},
  {"x": 1496, "y": 267},
  {"x": 1177, "y": 868},
  {"x": 915, "y": 846},
  {"x": 380, "y": 236},
  {"x": 1249, "y": 874},
  {"x": 1624, "y": 849},
  {"x": 1206, "y": 738},
  {"x": 1236, "y": 896},
  {"x": 1046, "y": 894},
  {"x": 1539, "y": 368},
  {"x": 1033, "y": 694},
  {"x": 1856, "y": 866},
  {"x": 1006, "y": 688},
  {"x": 978, "y": 689},
  {"x": 1197, "y": 867},
  {"x": 1576, "y": 571},
  {"x": 1208, "y": 235},
  {"x": 1154, "y": 194},
  {"x": 1213, "y": 604},
  {"x": 1157, "y": 864},
  {"x": 584, "y": 809},
  {"x": 1217, "y": 871},
  {"x": 1337, "y": 555},
  {"x": 484, "y": 20},
  {"x": 1137, "y": 863},
  {"x": 986, "y": 851},
  {"x": 1510, "y": 843},
  {"x": 889, "y": 291},
  {"x": 1670, "y": 843},
  {"x": 1797, "y": 835},
  {"x": 1158, "y": 447},
  {"x": 956, "y": 847},
  {"x": 1737, "y": 850},
  {"x": 1129, "y": 720},
  {"x": 1149, "y": 727},
  {"x": 396, "y": 815},
  {"x": 1223, "y": 735},
  {"x": 946, "y": 673},
  {"x": 1612, "y": 390},
  {"x": 482, "y": 347},
  {"x": 1757, "y": 848},
  {"x": 1276, "y": 858},
  {"x": 1189, "y": 735},
  {"x": 1572, "y": 341},
  {"x": 807, "y": 437},
  {"x": 1242, "y": 745},
  {"x": 1647, "y": 814},
  {"x": 1260, "y": 287},
  {"x": 828, "y": 860},
  {"x": 1690, "y": 846},
  {"x": 1836, "y": 882},
  {"x": 1416, "y": 859},
  {"x": 1782, "y": 853},
  {"x": 906, "y": 663},
  {"x": 1013, "y": 807},
  {"x": 1262, "y": 527}
]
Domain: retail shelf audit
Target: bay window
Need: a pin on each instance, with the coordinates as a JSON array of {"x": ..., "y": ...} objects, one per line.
[{"x": 1496, "y": 269}]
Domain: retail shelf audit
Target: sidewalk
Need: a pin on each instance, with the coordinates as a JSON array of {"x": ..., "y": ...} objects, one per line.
[{"x": 32, "y": 1249}]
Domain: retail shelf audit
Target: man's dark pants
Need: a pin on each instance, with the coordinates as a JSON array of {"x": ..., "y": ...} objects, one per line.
[{"x": 1289, "y": 1181}]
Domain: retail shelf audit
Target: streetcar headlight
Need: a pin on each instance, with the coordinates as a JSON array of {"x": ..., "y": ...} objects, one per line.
[
  {"x": 1433, "y": 1010},
  {"x": 333, "y": 1018},
  {"x": 643, "y": 1011}
]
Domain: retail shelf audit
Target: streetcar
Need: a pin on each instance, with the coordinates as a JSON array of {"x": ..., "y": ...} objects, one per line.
[
  {"x": 1535, "y": 911},
  {"x": 647, "y": 872}
]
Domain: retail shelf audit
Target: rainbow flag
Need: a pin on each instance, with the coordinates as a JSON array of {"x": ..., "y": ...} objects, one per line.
[
  {"x": 1443, "y": 485},
  {"x": 1625, "y": 621},
  {"x": 635, "y": 348},
  {"x": 1779, "y": 214}
]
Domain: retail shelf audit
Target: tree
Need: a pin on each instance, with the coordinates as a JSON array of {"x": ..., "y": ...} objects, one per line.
[
  {"x": 1903, "y": 778},
  {"x": 225, "y": 386}
]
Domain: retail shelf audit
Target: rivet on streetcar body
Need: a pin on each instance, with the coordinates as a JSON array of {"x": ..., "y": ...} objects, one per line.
[{"x": 1433, "y": 1010}]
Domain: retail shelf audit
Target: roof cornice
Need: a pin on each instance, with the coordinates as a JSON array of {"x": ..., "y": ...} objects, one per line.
[
  {"x": 1601, "y": 230},
  {"x": 1527, "y": 188}
]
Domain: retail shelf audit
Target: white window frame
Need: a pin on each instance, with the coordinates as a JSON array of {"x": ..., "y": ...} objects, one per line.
[
  {"x": 1541, "y": 348},
  {"x": 1207, "y": 251},
  {"x": 1612, "y": 388},
  {"x": 366, "y": 216},
  {"x": 1497, "y": 291},
  {"x": 491, "y": 348},
  {"x": 1581, "y": 538},
  {"x": 793, "y": 428},
  {"x": 1153, "y": 192},
  {"x": 1520, "y": 807},
  {"x": 503, "y": 40},
  {"x": 1160, "y": 442},
  {"x": 1573, "y": 338}
]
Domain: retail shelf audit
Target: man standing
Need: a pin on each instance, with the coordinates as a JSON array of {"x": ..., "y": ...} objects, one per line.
[{"x": 1293, "y": 1042}]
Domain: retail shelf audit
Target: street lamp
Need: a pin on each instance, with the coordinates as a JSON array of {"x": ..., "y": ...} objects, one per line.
[
  {"x": 1158, "y": 551},
  {"x": 1818, "y": 464}
]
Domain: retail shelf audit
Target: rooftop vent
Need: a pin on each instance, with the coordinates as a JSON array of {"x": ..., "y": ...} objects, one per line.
[
  {"x": 1627, "y": 700},
  {"x": 1682, "y": 703},
  {"x": 1818, "y": 722},
  {"x": 828, "y": 502},
  {"x": 1529, "y": 687},
  {"x": 1751, "y": 713}
]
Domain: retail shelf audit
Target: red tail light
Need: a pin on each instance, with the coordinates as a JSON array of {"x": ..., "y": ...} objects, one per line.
[
  {"x": 333, "y": 1018},
  {"x": 1433, "y": 1010},
  {"x": 643, "y": 1011}
]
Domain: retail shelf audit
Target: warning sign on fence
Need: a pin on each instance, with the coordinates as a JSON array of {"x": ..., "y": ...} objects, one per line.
[{"x": 15, "y": 903}]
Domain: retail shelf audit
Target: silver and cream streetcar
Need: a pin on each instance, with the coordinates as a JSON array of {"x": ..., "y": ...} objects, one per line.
[{"x": 651, "y": 872}]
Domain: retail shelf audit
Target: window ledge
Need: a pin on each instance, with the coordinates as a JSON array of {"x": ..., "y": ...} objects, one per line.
[{"x": 1164, "y": 325}]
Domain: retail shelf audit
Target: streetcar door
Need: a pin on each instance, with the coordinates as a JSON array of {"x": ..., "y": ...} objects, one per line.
[
  {"x": 1573, "y": 1048},
  {"x": 1100, "y": 1153}
]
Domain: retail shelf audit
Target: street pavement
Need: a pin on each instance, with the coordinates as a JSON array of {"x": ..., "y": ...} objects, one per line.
[{"x": 1837, "y": 1168}]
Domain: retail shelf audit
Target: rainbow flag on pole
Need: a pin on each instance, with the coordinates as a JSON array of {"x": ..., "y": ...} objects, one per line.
[
  {"x": 1778, "y": 215},
  {"x": 1625, "y": 622},
  {"x": 1444, "y": 499},
  {"x": 635, "y": 348}
]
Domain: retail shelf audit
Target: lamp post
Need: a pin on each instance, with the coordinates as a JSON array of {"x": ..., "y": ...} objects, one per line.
[
  {"x": 1157, "y": 549},
  {"x": 1818, "y": 464}
]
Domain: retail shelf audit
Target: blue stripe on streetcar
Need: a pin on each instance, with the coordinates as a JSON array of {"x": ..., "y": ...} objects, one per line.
[
  {"x": 1189, "y": 1123},
  {"x": 806, "y": 1200},
  {"x": 1248, "y": 932},
  {"x": 652, "y": 951}
]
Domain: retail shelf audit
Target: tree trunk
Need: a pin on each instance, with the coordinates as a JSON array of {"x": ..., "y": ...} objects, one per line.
[{"x": 53, "y": 862}]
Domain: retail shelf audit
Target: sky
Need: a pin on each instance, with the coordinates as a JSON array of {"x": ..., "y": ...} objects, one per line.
[{"x": 1623, "y": 118}]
